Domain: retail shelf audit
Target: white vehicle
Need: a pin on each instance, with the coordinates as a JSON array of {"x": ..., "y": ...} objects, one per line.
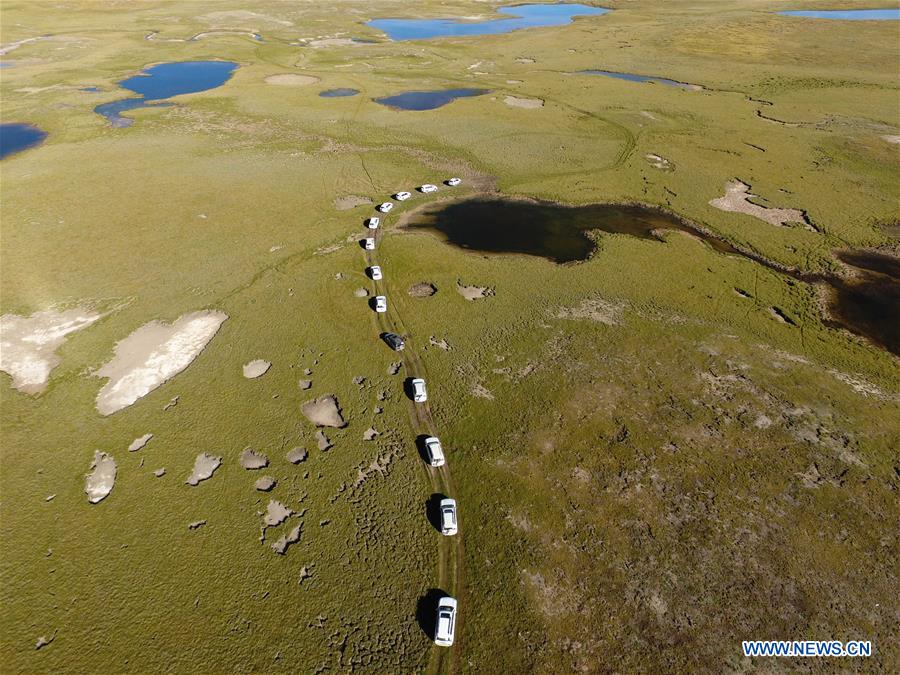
[
  {"x": 380, "y": 304},
  {"x": 375, "y": 272},
  {"x": 369, "y": 243},
  {"x": 385, "y": 207},
  {"x": 428, "y": 187},
  {"x": 445, "y": 625},
  {"x": 434, "y": 451},
  {"x": 373, "y": 222},
  {"x": 453, "y": 182},
  {"x": 449, "y": 526},
  {"x": 402, "y": 196},
  {"x": 420, "y": 394}
]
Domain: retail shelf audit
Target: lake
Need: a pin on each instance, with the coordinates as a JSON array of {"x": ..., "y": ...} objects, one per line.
[
  {"x": 867, "y": 304},
  {"x": 521, "y": 16},
  {"x": 847, "y": 14},
  {"x": 166, "y": 80},
  {"x": 16, "y": 137},
  {"x": 631, "y": 77},
  {"x": 427, "y": 100},
  {"x": 340, "y": 92}
]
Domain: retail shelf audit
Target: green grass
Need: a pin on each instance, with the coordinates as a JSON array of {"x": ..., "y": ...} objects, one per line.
[{"x": 626, "y": 468}]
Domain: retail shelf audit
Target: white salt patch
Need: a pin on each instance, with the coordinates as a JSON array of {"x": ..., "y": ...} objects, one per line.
[
  {"x": 28, "y": 344},
  {"x": 153, "y": 354},
  {"x": 139, "y": 442},
  {"x": 286, "y": 540},
  {"x": 276, "y": 513},
  {"x": 256, "y": 368},
  {"x": 250, "y": 459},
  {"x": 204, "y": 467},
  {"x": 99, "y": 482}
]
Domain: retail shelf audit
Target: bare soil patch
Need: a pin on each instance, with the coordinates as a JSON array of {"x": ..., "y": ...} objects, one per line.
[
  {"x": 348, "y": 202},
  {"x": 594, "y": 309},
  {"x": 256, "y": 368},
  {"x": 252, "y": 460},
  {"x": 474, "y": 292},
  {"x": 423, "y": 289},
  {"x": 324, "y": 412},
  {"x": 153, "y": 354},
  {"x": 102, "y": 477},
  {"x": 528, "y": 103},
  {"x": 737, "y": 200},
  {"x": 204, "y": 467},
  {"x": 291, "y": 79},
  {"x": 139, "y": 443}
]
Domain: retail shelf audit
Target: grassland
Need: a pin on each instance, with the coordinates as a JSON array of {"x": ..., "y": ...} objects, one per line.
[{"x": 649, "y": 467}]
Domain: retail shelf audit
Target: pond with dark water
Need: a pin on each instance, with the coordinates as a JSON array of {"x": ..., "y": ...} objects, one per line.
[
  {"x": 631, "y": 77},
  {"x": 166, "y": 80},
  {"x": 521, "y": 16},
  {"x": 340, "y": 92},
  {"x": 846, "y": 14},
  {"x": 15, "y": 137},
  {"x": 867, "y": 304},
  {"x": 427, "y": 100}
]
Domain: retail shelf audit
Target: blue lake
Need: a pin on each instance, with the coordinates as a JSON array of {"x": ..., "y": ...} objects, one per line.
[
  {"x": 17, "y": 137},
  {"x": 427, "y": 100},
  {"x": 164, "y": 81},
  {"x": 848, "y": 14},
  {"x": 522, "y": 16},
  {"x": 631, "y": 77},
  {"x": 338, "y": 93}
]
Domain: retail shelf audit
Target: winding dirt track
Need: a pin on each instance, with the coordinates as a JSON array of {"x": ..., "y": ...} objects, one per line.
[{"x": 450, "y": 549}]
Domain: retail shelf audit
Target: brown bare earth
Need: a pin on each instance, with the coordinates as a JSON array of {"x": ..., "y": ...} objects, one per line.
[{"x": 737, "y": 200}]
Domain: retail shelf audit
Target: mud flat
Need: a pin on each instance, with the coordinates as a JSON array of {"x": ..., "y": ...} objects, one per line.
[
  {"x": 291, "y": 79},
  {"x": 153, "y": 354},
  {"x": 28, "y": 344},
  {"x": 324, "y": 412},
  {"x": 139, "y": 443},
  {"x": 529, "y": 103},
  {"x": 252, "y": 460},
  {"x": 737, "y": 200},
  {"x": 204, "y": 467},
  {"x": 256, "y": 368},
  {"x": 100, "y": 481}
]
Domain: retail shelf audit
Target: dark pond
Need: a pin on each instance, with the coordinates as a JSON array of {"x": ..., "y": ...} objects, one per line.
[
  {"x": 867, "y": 305},
  {"x": 17, "y": 137},
  {"x": 848, "y": 14},
  {"x": 340, "y": 92},
  {"x": 523, "y": 16},
  {"x": 427, "y": 100},
  {"x": 641, "y": 78},
  {"x": 164, "y": 81}
]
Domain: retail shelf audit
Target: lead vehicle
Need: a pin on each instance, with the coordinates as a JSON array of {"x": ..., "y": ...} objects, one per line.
[{"x": 445, "y": 626}]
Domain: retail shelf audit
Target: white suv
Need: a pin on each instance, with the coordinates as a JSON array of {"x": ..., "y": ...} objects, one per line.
[
  {"x": 420, "y": 394},
  {"x": 448, "y": 517},
  {"x": 428, "y": 187},
  {"x": 385, "y": 207},
  {"x": 453, "y": 182},
  {"x": 380, "y": 304},
  {"x": 434, "y": 451},
  {"x": 369, "y": 243},
  {"x": 445, "y": 626},
  {"x": 375, "y": 272},
  {"x": 402, "y": 196},
  {"x": 373, "y": 222}
]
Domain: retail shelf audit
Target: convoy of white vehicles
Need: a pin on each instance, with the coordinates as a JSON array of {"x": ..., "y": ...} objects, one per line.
[{"x": 445, "y": 624}]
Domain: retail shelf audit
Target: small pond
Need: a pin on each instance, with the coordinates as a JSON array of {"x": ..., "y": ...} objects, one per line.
[
  {"x": 522, "y": 16},
  {"x": 16, "y": 137},
  {"x": 165, "y": 80},
  {"x": 340, "y": 92},
  {"x": 631, "y": 77},
  {"x": 427, "y": 100},
  {"x": 847, "y": 14},
  {"x": 866, "y": 304}
]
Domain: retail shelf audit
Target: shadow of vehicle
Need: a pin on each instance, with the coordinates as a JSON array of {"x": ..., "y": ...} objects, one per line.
[
  {"x": 408, "y": 388},
  {"x": 426, "y": 610},
  {"x": 433, "y": 509}
]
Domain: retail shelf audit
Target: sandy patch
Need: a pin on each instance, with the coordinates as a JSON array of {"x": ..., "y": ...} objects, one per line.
[
  {"x": 440, "y": 344},
  {"x": 480, "y": 391},
  {"x": 361, "y": 293},
  {"x": 296, "y": 455},
  {"x": 737, "y": 200},
  {"x": 204, "y": 467},
  {"x": 594, "y": 309},
  {"x": 265, "y": 483},
  {"x": 250, "y": 459},
  {"x": 291, "y": 79},
  {"x": 256, "y": 368},
  {"x": 281, "y": 546},
  {"x": 530, "y": 103},
  {"x": 197, "y": 524},
  {"x": 370, "y": 434},
  {"x": 324, "y": 412},
  {"x": 892, "y": 139},
  {"x": 659, "y": 162},
  {"x": 28, "y": 344},
  {"x": 139, "y": 442},
  {"x": 332, "y": 42},
  {"x": 474, "y": 292},
  {"x": 99, "y": 482},
  {"x": 322, "y": 441},
  {"x": 276, "y": 513},
  {"x": 153, "y": 354},
  {"x": 305, "y": 384},
  {"x": 523, "y": 59},
  {"x": 423, "y": 289},
  {"x": 348, "y": 202}
]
